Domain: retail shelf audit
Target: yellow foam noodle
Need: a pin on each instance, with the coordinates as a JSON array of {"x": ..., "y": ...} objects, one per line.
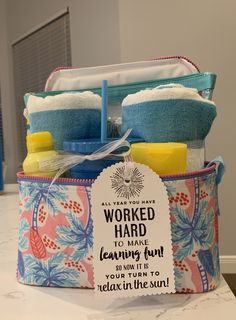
[{"x": 163, "y": 158}]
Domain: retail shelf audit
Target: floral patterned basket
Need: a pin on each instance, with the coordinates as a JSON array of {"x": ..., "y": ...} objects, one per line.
[{"x": 56, "y": 231}]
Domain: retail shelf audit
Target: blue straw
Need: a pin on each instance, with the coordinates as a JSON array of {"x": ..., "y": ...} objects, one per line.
[{"x": 104, "y": 112}]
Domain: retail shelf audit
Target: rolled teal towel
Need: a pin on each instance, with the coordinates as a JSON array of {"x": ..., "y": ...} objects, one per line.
[
  {"x": 168, "y": 113},
  {"x": 68, "y": 116}
]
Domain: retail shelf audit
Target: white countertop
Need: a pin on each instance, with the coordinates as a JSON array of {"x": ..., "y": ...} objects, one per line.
[{"x": 18, "y": 301}]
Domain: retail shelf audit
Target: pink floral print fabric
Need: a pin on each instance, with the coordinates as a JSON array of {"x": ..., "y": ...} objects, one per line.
[{"x": 56, "y": 233}]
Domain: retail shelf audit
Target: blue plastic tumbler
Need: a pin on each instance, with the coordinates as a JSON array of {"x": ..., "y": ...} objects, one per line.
[{"x": 91, "y": 169}]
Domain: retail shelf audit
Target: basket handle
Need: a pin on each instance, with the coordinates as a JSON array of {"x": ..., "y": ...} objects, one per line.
[{"x": 220, "y": 168}]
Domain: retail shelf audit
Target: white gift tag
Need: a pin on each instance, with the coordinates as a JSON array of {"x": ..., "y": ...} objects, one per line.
[{"x": 132, "y": 232}]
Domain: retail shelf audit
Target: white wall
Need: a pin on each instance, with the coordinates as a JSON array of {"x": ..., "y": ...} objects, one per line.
[
  {"x": 7, "y": 97},
  {"x": 204, "y": 31},
  {"x": 109, "y": 31},
  {"x": 94, "y": 26},
  {"x": 94, "y": 41}
]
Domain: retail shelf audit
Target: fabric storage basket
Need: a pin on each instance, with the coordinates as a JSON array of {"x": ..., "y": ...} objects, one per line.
[{"x": 56, "y": 231}]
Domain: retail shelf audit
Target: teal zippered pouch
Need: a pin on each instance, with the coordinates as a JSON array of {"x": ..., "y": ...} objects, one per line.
[{"x": 203, "y": 82}]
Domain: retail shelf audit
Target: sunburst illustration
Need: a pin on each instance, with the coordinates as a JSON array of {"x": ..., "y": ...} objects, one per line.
[{"x": 127, "y": 182}]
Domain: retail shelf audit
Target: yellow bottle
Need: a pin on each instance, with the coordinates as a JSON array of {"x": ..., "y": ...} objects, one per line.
[
  {"x": 163, "y": 158},
  {"x": 40, "y": 146}
]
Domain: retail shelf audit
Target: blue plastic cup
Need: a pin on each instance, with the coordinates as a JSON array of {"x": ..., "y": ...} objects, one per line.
[{"x": 91, "y": 169}]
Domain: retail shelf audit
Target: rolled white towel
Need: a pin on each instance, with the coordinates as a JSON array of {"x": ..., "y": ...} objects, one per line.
[
  {"x": 72, "y": 100},
  {"x": 164, "y": 92}
]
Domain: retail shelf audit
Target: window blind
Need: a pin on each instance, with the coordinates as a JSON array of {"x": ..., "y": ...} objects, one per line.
[{"x": 34, "y": 58}]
